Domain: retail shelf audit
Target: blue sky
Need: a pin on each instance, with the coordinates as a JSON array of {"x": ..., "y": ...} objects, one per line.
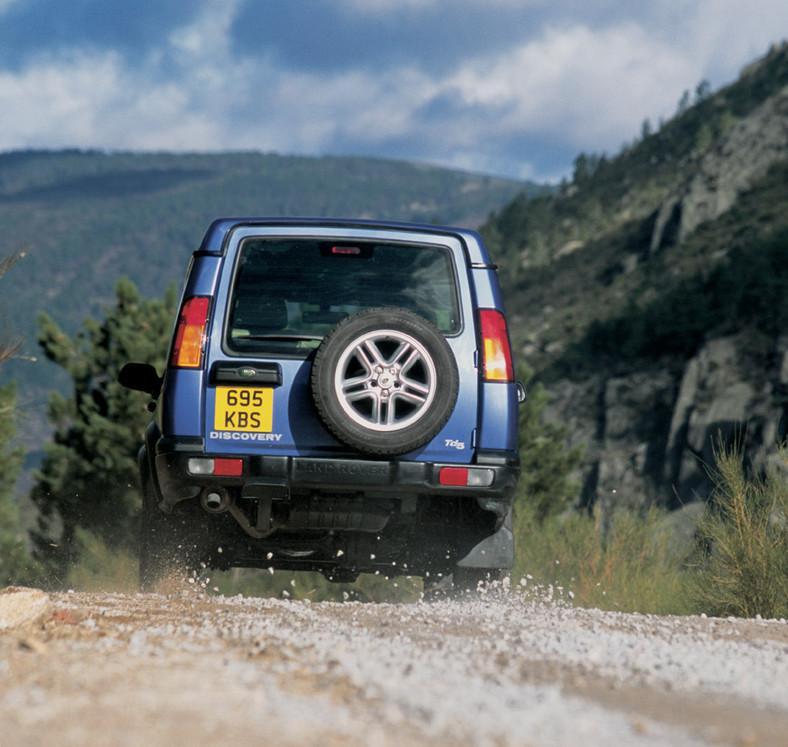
[{"x": 507, "y": 87}]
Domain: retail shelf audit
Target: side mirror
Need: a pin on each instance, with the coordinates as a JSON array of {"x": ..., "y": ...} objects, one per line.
[
  {"x": 522, "y": 394},
  {"x": 142, "y": 377}
]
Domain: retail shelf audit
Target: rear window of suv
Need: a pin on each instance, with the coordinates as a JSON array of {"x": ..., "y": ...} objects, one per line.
[{"x": 287, "y": 294}]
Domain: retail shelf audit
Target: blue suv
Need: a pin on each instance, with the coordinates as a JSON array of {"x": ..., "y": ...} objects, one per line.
[{"x": 339, "y": 397}]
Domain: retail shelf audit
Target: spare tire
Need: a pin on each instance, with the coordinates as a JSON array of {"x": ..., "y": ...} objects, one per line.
[{"x": 384, "y": 381}]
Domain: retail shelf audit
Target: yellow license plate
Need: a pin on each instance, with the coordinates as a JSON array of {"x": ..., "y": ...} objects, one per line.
[{"x": 244, "y": 409}]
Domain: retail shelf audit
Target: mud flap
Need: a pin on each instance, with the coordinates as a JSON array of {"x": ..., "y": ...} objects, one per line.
[{"x": 495, "y": 551}]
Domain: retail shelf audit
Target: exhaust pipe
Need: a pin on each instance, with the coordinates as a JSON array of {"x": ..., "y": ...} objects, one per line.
[{"x": 215, "y": 500}]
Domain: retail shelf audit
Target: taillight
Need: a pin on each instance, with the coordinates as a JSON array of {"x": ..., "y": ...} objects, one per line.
[
  {"x": 222, "y": 467},
  {"x": 496, "y": 351},
  {"x": 472, "y": 477},
  {"x": 190, "y": 333}
]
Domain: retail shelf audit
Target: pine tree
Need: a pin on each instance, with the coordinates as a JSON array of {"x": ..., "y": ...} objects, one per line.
[
  {"x": 8, "y": 346},
  {"x": 16, "y": 565},
  {"x": 89, "y": 478}
]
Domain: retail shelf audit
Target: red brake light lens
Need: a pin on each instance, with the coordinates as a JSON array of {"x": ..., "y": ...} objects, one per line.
[
  {"x": 345, "y": 250},
  {"x": 190, "y": 333},
  {"x": 453, "y": 476},
  {"x": 496, "y": 351},
  {"x": 228, "y": 467}
]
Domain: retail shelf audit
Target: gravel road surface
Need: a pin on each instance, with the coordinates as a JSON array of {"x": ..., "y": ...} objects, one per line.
[{"x": 498, "y": 668}]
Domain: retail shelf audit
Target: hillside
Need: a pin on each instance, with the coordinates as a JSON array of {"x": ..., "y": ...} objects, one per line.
[
  {"x": 87, "y": 218},
  {"x": 648, "y": 295}
]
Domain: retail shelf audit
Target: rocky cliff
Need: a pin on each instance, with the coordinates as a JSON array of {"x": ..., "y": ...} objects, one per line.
[{"x": 650, "y": 436}]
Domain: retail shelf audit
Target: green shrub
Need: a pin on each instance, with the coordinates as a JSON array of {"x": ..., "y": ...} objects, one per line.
[
  {"x": 742, "y": 563},
  {"x": 101, "y": 568}
]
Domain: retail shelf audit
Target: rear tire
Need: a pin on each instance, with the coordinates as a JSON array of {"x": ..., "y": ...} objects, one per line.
[{"x": 169, "y": 544}]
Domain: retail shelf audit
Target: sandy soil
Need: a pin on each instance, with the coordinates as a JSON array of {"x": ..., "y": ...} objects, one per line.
[{"x": 498, "y": 668}]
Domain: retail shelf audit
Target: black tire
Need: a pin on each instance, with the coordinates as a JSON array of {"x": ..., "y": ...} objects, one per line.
[
  {"x": 384, "y": 381},
  {"x": 169, "y": 545}
]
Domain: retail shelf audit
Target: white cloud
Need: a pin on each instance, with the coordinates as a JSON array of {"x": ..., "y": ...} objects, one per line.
[
  {"x": 592, "y": 87},
  {"x": 95, "y": 102},
  {"x": 207, "y": 37},
  {"x": 55, "y": 100},
  {"x": 380, "y": 7},
  {"x": 360, "y": 105},
  {"x": 723, "y": 35}
]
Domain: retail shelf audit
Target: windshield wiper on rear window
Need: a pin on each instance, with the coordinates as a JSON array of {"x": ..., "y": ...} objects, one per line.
[{"x": 276, "y": 338}]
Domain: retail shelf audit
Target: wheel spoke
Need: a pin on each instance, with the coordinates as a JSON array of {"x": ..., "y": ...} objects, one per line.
[
  {"x": 412, "y": 397},
  {"x": 414, "y": 357},
  {"x": 368, "y": 395},
  {"x": 358, "y": 395},
  {"x": 370, "y": 354},
  {"x": 415, "y": 388},
  {"x": 356, "y": 384},
  {"x": 377, "y": 409},
  {"x": 366, "y": 356}
]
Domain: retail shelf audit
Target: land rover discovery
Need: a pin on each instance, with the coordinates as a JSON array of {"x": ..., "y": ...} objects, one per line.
[{"x": 339, "y": 397}]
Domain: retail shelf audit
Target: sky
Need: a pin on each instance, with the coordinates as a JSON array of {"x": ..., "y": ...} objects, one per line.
[{"x": 514, "y": 88}]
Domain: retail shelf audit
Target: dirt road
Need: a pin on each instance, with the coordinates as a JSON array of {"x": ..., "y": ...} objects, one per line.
[{"x": 501, "y": 668}]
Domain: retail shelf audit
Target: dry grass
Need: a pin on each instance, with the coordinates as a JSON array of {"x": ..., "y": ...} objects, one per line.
[{"x": 630, "y": 567}]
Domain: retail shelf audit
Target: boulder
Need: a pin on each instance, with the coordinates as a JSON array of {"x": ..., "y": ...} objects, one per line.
[
  {"x": 723, "y": 401},
  {"x": 23, "y": 608}
]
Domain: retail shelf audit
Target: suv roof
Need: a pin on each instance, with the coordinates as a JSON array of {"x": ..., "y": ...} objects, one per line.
[{"x": 214, "y": 241}]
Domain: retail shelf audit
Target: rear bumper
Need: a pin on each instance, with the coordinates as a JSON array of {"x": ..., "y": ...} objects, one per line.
[{"x": 281, "y": 475}]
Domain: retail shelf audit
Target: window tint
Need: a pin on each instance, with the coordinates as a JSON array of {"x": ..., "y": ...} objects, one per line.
[{"x": 289, "y": 293}]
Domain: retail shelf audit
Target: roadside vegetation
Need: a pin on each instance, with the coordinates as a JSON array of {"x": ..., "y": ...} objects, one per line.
[
  {"x": 629, "y": 567},
  {"x": 746, "y": 289},
  {"x": 737, "y": 564}
]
